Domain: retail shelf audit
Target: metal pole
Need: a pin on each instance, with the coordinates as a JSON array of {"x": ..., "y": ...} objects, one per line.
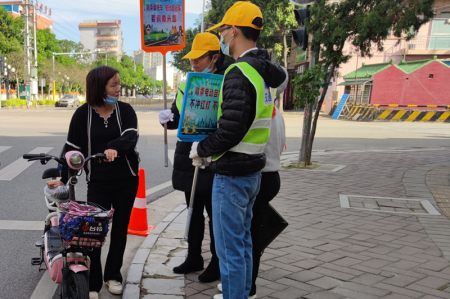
[
  {"x": 191, "y": 204},
  {"x": 54, "y": 78},
  {"x": 34, "y": 35},
  {"x": 166, "y": 146},
  {"x": 203, "y": 16}
]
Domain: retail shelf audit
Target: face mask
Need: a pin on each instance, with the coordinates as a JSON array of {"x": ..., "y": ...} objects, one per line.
[
  {"x": 225, "y": 47},
  {"x": 111, "y": 100},
  {"x": 208, "y": 70}
]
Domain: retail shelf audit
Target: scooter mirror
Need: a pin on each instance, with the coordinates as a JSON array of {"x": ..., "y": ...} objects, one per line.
[{"x": 75, "y": 160}]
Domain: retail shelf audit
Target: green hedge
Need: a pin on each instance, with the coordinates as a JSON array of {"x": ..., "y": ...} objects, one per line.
[{"x": 19, "y": 102}]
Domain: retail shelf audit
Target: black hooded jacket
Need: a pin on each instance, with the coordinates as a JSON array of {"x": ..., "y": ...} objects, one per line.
[
  {"x": 183, "y": 171},
  {"x": 238, "y": 113}
]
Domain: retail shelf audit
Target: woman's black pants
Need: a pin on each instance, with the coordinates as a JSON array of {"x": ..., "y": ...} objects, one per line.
[{"x": 120, "y": 195}]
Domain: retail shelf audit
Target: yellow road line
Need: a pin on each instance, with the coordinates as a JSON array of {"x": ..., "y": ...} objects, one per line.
[
  {"x": 384, "y": 114},
  {"x": 399, "y": 115},
  {"x": 428, "y": 116},
  {"x": 413, "y": 116},
  {"x": 443, "y": 117}
]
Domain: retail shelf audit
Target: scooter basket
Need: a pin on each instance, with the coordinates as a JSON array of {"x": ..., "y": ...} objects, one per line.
[{"x": 84, "y": 224}]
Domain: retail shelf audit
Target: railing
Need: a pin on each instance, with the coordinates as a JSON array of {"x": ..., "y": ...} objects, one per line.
[{"x": 435, "y": 42}]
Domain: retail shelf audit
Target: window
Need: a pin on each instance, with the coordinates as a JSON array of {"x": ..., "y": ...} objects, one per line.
[
  {"x": 445, "y": 15},
  {"x": 430, "y": 76}
]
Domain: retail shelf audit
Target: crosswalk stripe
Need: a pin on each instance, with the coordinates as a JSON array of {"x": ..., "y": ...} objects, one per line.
[
  {"x": 21, "y": 225},
  {"x": 4, "y": 148},
  {"x": 15, "y": 168}
]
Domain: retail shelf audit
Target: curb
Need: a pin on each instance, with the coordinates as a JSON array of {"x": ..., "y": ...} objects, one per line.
[{"x": 132, "y": 288}]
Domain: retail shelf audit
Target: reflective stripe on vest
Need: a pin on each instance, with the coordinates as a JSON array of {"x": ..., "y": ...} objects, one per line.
[
  {"x": 254, "y": 142},
  {"x": 180, "y": 95}
]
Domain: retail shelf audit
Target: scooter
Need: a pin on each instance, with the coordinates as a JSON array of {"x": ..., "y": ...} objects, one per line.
[{"x": 65, "y": 245}]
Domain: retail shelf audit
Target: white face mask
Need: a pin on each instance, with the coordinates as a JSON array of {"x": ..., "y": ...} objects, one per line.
[{"x": 225, "y": 47}]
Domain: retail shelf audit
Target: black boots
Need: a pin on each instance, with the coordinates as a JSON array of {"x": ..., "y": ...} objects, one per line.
[
  {"x": 212, "y": 272},
  {"x": 191, "y": 264}
]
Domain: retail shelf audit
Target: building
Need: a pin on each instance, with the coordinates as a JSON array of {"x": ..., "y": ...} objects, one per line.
[
  {"x": 432, "y": 39},
  {"x": 420, "y": 82},
  {"x": 178, "y": 77},
  {"x": 173, "y": 76},
  {"x": 103, "y": 35},
  {"x": 148, "y": 60},
  {"x": 43, "y": 14}
]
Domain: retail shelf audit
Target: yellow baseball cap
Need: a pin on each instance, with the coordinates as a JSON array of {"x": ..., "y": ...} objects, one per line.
[
  {"x": 240, "y": 14},
  {"x": 203, "y": 43}
]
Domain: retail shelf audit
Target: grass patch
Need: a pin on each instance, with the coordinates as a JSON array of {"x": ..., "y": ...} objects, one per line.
[
  {"x": 301, "y": 166},
  {"x": 444, "y": 287}
]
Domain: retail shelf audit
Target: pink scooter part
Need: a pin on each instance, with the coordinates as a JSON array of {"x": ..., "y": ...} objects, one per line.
[
  {"x": 69, "y": 154},
  {"x": 78, "y": 268}
]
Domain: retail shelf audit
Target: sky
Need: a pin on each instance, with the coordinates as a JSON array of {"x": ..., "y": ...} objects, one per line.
[{"x": 68, "y": 14}]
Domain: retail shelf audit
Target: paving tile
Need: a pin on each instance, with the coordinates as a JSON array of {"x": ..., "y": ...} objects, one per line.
[
  {"x": 304, "y": 276},
  {"x": 326, "y": 283},
  {"x": 368, "y": 279},
  {"x": 433, "y": 282}
]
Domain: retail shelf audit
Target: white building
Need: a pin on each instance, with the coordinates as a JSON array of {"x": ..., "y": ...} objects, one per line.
[
  {"x": 173, "y": 76},
  {"x": 103, "y": 35},
  {"x": 148, "y": 60}
]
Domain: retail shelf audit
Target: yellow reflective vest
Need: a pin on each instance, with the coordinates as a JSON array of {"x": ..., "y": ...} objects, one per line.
[{"x": 254, "y": 142}]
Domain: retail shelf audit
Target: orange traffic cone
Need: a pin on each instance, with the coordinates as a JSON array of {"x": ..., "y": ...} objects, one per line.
[{"x": 138, "y": 221}]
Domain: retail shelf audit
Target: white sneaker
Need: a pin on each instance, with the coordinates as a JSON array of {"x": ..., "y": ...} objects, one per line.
[
  {"x": 219, "y": 287},
  {"x": 93, "y": 295},
  {"x": 220, "y": 296},
  {"x": 114, "y": 287}
]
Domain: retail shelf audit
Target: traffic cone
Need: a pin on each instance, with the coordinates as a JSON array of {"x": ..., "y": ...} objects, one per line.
[{"x": 138, "y": 221}]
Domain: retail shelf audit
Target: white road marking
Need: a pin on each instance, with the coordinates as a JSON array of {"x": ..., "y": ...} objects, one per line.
[
  {"x": 158, "y": 188},
  {"x": 21, "y": 225},
  {"x": 4, "y": 148},
  {"x": 15, "y": 168}
]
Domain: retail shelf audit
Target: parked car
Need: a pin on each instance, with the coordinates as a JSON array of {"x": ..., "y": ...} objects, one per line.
[{"x": 69, "y": 100}]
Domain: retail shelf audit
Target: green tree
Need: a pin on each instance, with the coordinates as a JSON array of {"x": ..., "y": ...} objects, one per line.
[
  {"x": 11, "y": 38},
  {"x": 362, "y": 23},
  {"x": 278, "y": 20}
]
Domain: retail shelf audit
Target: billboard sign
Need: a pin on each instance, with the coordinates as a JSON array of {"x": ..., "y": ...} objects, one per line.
[
  {"x": 162, "y": 25},
  {"x": 198, "y": 117}
]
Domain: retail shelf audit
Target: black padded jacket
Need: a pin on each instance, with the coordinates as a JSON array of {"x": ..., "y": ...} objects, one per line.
[{"x": 238, "y": 113}]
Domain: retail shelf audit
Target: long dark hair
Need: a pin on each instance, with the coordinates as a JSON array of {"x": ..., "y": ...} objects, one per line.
[
  {"x": 96, "y": 81},
  {"x": 220, "y": 60}
]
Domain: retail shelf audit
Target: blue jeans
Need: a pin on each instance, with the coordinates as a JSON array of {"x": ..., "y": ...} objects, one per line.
[{"x": 232, "y": 202}]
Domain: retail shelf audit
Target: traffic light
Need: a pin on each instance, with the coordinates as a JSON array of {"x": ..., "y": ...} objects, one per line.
[{"x": 301, "y": 35}]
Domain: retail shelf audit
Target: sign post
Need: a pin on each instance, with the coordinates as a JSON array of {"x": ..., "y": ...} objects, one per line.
[{"x": 162, "y": 30}]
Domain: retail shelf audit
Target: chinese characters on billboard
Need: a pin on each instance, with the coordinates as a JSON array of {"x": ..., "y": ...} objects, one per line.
[
  {"x": 162, "y": 25},
  {"x": 200, "y": 106}
]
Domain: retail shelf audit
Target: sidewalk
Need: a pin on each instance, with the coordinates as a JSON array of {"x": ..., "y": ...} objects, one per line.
[{"x": 365, "y": 224}]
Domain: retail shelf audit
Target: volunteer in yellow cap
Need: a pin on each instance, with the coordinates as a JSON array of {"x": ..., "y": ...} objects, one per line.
[
  {"x": 205, "y": 56},
  {"x": 237, "y": 147}
]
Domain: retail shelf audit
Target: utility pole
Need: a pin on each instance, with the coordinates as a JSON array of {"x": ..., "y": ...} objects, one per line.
[
  {"x": 26, "y": 46},
  {"x": 34, "y": 36}
]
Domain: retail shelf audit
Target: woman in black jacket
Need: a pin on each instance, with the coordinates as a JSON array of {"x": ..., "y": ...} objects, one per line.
[
  {"x": 105, "y": 125},
  {"x": 206, "y": 57}
]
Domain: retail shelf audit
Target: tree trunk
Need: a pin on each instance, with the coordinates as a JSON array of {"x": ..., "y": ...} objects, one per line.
[{"x": 316, "y": 116}]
